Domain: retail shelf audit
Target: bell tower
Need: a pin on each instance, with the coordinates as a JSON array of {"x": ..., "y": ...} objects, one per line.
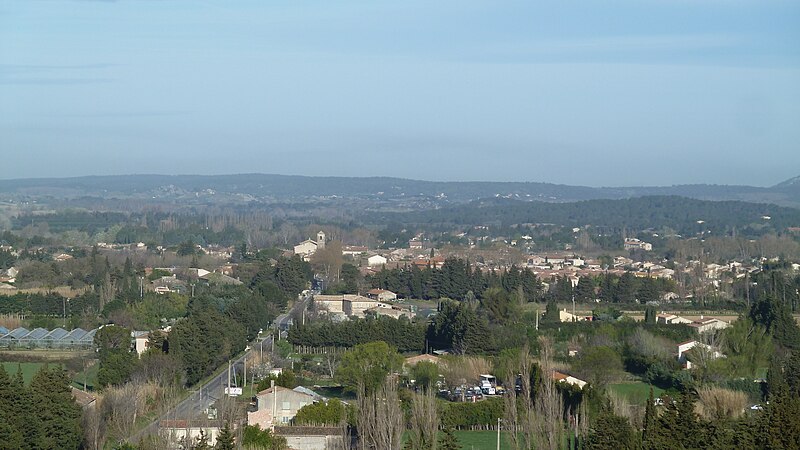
[{"x": 320, "y": 240}]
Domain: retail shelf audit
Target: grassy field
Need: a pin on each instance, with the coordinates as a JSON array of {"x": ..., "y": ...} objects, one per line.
[
  {"x": 88, "y": 376},
  {"x": 28, "y": 369},
  {"x": 477, "y": 440},
  {"x": 481, "y": 440},
  {"x": 635, "y": 393}
]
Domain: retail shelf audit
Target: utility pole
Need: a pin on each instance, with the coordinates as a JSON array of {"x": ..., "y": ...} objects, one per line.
[
  {"x": 498, "y": 433},
  {"x": 537, "y": 319},
  {"x": 141, "y": 288},
  {"x": 274, "y": 402},
  {"x": 229, "y": 378},
  {"x": 245, "y": 370}
]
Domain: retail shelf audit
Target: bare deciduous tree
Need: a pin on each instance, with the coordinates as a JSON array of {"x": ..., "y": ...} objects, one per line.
[
  {"x": 548, "y": 423},
  {"x": 380, "y": 419},
  {"x": 424, "y": 421}
]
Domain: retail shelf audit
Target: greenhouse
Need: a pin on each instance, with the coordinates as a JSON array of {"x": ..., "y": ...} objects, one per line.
[{"x": 43, "y": 338}]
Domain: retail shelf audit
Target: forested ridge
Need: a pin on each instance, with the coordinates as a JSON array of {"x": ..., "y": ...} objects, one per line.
[{"x": 683, "y": 215}]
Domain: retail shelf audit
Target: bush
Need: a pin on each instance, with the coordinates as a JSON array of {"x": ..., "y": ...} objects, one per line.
[{"x": 464, "y": 415}]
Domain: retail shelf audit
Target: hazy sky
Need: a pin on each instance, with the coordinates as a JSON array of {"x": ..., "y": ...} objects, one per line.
[{"x": 596, "y": 93}]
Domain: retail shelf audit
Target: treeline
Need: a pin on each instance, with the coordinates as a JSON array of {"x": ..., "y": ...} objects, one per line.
[
  {"x": 679, "y": 214},
  {"x": 457, "y": 279},
  {"x": 402, "y": 334},
  {"x": 611, "y": 288}
]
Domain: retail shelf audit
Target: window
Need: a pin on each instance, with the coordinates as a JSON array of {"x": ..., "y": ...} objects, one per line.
[
  {"x": 285, "y": 419},
  {"x": 285, "y": 406}
]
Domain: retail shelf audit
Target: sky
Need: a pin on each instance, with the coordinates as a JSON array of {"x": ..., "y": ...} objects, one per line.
[{"x": 595, "y": 93}]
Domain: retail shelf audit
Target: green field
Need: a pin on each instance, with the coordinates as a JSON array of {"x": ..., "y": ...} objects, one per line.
[
  {"x": 477, "y": 440},
  {"x": 89, "y": 377},
  {"x": 635, "y": 393},
  {"x": 28, "y": 368}
]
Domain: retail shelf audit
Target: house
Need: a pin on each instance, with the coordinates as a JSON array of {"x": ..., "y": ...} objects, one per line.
[
  {"x": 168, "y": 284},
  {"x": 220, "y": 279},
  {"x": 636, "y": 244},
  {"x": 381, "y": 295},
  {"x": 564, "y": 316},
  {"x": 708, "y": 324},
  {"x": 354, "y": 250},
  {"x": 356, "y": 305},
  {"x": 671, "y": 319},
  {"x": 61, "y": 257},
  {"x": 140, "y": 341},
  {"x": 394, "y": 313},
  {"x": 376, "y": 260},
  {"x": 334, "y": 304},
  {"x": 347, "y": 304},
  {"x": 568, "y": 379},
  {"x": 415, "y": 243},
  {"x": 177, "y": 432},
  {"x": 687, "y": 346},
  {"x": 278, "y": 405}
]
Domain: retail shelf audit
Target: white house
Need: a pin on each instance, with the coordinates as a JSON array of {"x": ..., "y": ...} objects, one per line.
[
  {"x": 381, "y": 295},
  {"x": 347, "y": 304},
  {"x": 568, "y": 379},
  {"x": 278, "y": 405},
  {"x": 376, "y": 260},
  {"x": 140, "y": 341},
  {"x": 708, "y": 324},
  {"x": 689, "y": 345},
  {"x": 564, "y": 316},
  {"x": 178, "y": 432},
  {"x": 634, "y": 244},
  {"x": 671, "y": 319}
]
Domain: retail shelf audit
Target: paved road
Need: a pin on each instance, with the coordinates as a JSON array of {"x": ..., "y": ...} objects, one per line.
[
  {"x": 283, "y": 321},
  {"x": 194, "y": 406}
]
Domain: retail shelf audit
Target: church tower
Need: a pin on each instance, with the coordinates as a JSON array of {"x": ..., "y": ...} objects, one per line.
[{"x": 320, "y": 240}]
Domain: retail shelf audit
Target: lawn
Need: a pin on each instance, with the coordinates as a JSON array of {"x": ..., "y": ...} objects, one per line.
[
  {"x": 477, "y": 440},
  {"x": 635, "y": 393},
  {"x": 28, "y": 369},
  {"x": 88, "y": 376}
]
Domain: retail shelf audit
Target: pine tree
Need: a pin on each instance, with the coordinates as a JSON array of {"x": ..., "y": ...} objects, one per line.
[
  {"x": 201, "y": 442},
  {"x": 225, "y": 440},
  {"x": 449, "y": 441}
]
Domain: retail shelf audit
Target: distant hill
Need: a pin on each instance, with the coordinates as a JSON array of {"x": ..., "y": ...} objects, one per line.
[
  {"x": 682, "y": 215},
  {"x": 228, "y": 189}
]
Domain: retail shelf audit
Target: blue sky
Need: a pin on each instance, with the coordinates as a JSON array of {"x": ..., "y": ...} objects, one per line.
[{"x": 599, "y": 93}]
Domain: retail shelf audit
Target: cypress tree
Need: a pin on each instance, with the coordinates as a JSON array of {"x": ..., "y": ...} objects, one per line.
[{"x": 57, "y": 411}]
